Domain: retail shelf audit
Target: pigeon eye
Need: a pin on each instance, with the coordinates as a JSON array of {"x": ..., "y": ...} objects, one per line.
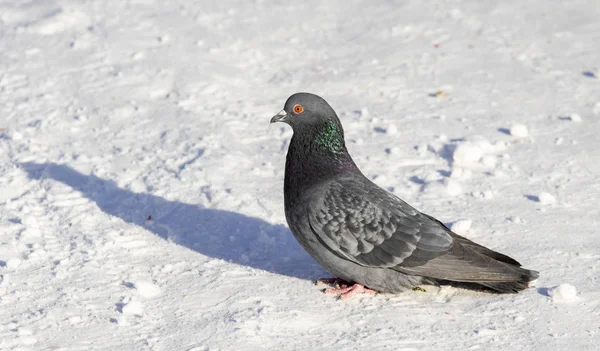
[{"x": 298, "y": 109}]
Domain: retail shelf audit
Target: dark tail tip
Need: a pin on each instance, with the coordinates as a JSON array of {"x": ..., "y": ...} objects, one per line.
[
  {"x": 524, "y": 282},
  {"x": 531, "y": 275}
]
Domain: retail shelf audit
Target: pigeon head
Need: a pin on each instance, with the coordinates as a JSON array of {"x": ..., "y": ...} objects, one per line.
[{"x": 310, "y": 116}]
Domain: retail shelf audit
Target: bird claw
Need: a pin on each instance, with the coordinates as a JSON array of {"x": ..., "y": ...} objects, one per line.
[{"x": 345, "y": 291}]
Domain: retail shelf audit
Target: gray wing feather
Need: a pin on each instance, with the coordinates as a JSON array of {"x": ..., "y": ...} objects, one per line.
[{"x": 363, "y": 223}]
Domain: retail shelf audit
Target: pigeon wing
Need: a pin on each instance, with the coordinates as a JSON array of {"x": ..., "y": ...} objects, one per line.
[{"x": 360, "y": 222}]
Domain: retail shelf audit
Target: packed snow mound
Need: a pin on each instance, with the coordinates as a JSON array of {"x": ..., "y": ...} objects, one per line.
[
  {"x": 476, "y": 154},
  {"x": 133, "y": 308},
  {"x": 147, "y": 289},
  {"x": 563, "y": 292},
  {"x": 519, "y": 130},
  {"x": 462, "y": 226},
  {"x": 546, "y": 198},
  {"x": 447, "y": 186},
  {"x": 470, "y": 152}
]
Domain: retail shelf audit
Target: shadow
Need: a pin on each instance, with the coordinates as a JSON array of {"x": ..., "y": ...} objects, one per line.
[
  {"x": 417, "y": 180},
  {"x": 443, "y": 173},
  {"x": 120, "y": 306},
  {"x": 532, "y": 198},
  {"x": 564, "y": 118},
  {"x": 437, "y": 94},
  {"x": 504, "y": 131},
  {"x": 447, "y": 153},
  {"x": 543, "y": 291},
  {"x": 220, "y": 234},
  {"x": 589, "y": 74}
]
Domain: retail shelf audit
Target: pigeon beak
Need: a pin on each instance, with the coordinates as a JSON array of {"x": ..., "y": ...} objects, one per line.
[{"x": 280, "y": 117}]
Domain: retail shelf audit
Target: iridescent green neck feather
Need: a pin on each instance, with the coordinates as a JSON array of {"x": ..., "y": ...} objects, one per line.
[{"x": 331, "y": 138}]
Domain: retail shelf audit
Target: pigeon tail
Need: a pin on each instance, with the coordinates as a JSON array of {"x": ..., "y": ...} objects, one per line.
[
  {"x": 467, "y": 263},
  {"x": 527, "y": 280}
]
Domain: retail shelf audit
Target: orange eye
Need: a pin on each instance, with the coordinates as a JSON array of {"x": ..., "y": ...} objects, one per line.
[{"x": 298, "y": 109}]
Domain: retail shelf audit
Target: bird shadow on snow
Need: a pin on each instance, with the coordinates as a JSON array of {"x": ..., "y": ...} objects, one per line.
[
  {"x": 504, "y": 131},
  {"x": 532, "y": 198},
  {"x": 219, "y": 234},
  {"x": 543, "y": 291}
]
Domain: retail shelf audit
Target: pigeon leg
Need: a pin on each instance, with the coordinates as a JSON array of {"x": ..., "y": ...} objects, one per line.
[{"x": 347, "y": 292}]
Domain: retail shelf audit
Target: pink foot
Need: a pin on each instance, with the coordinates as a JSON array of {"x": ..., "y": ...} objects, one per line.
[{"x": 345, "y": 292}]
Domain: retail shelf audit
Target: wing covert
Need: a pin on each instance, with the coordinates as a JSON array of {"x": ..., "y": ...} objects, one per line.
[{"x": 365, "y": 224}]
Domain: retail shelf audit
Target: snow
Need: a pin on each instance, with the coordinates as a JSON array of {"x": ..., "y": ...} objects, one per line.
[
  {"x": 475, "y": 154},
  {"x": 147, "y": 289},
  {"x": 461, "y": 227},
  {"x": 519, "y": 130},
  {"x": 447, "y": 186},
  {"x": 596, "y": 109},
  {"x": 141, "y": 203},
  {"x": 133, "y": 308},
  {"x": 563, "y": 292},
  {"x": 467, "y": 153},
  {"x": 546, "y": 198},
  {"x": 391, "y": 129},
  {"x": 13, "y": 263},
  {"x": 516, "y": 219}
]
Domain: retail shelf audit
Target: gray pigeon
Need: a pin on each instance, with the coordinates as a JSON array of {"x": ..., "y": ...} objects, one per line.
[{"x": 363, "y": 234}]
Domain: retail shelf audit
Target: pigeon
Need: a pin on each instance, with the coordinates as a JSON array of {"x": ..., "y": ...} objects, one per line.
[{"x": 368, "y": 238}]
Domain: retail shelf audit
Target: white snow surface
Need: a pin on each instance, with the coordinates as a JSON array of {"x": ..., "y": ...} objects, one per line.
[
  {"x": 519, "y": 130},
  {"x": 563, "y": 292},
  {"x": 141, "y": 203},
  {"x": 133, "y": 308},
  {"x": 546, "y": 198},
  {"x": 461, "y": 227}
]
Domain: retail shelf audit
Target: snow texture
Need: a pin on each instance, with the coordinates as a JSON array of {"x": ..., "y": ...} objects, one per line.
[
  {"x": 132, "y": 308},
  {"x": 468, "y": 153},
  {"x": 519, "y": 130},
  {"x": 147, "y": 289},
  {"x": 563, "y": 292},
  {"x": 141, "y": 203},
  {"x": 546, "y": 198},
  {"x": 461, "y": 227}
]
